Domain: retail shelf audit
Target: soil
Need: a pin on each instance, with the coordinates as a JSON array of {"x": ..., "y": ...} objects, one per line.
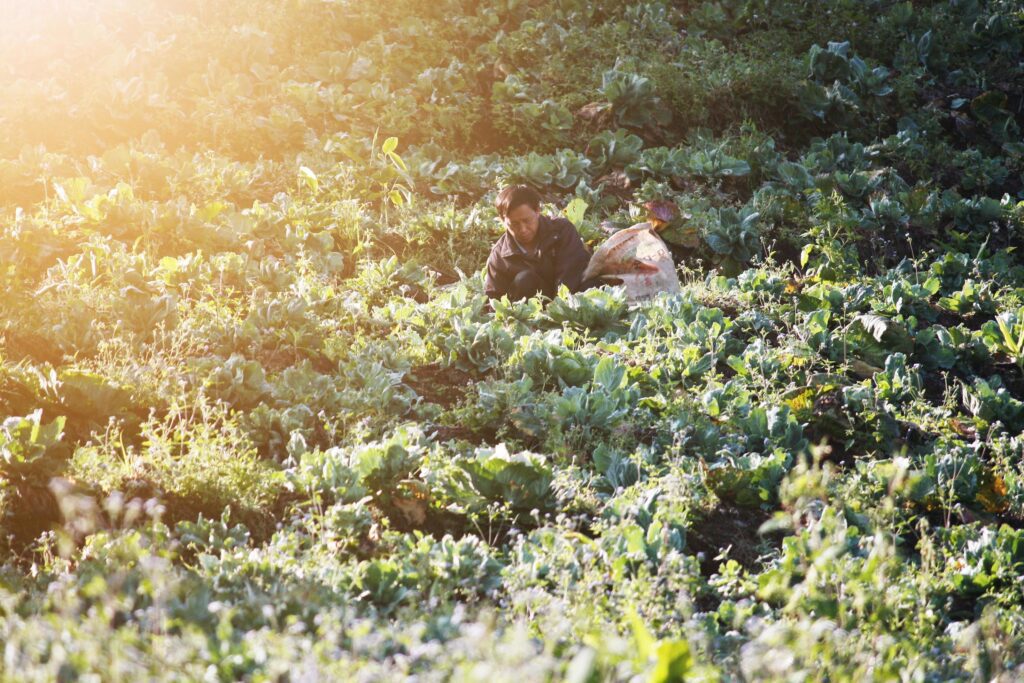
[
  {"x": 34, "y": 509},
  {"x": 443, "y": 433},
  {"x": 934, "y": 385},
  {"x": 277, "y": 360},
  {"x": 30, "y": 511},
  {"x": 428, "y": 519},
  {"x": 438, "y": 384},
  {"x": 31, "y": 346},
  {"x": 733, "y": 527}
]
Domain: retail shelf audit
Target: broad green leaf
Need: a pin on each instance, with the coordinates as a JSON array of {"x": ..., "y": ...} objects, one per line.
[
  {"x": 609, "y": 374},
  {"x": 575, "y": 210},
  {"x": 674, "y": 662},
  {"x": 645, "y": 642}
]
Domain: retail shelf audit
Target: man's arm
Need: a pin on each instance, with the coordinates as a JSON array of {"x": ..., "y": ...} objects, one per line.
[
  {"x": 573, "y": 257},
  {"x": 496, "y": 284}
]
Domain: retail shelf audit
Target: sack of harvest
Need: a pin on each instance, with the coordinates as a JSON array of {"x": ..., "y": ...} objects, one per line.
[{"x": 637, "y": 258}]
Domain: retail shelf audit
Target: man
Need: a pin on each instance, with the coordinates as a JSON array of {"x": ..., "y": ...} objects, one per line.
[{"x": 536, "y": 254}]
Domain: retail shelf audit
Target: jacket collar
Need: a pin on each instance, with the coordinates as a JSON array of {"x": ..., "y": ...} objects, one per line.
[{"x": 507, "y": 245}]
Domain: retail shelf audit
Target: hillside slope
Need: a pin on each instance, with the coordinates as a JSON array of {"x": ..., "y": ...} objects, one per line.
[{"x": 261, "y": 423}]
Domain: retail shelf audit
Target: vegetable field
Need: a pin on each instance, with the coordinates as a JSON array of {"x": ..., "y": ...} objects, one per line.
[{"x": 260, "y": 422}]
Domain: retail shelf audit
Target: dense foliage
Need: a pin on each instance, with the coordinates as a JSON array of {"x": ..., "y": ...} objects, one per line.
[{"x": 261, "y": 423}]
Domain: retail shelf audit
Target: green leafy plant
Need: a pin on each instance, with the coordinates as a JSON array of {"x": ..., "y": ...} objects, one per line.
[
  {"x": 632, "y": 99},
  {"x": 973, "y": 298},
  {"x": 597, "y": 310},
  {"x": 709, "y": 160},
  {"x": 548, "y": 358},
  {"x": 31, "y": 449},
  {"x": 982, "y": 559},
  {"x": 990, "y": 401},
  {"x": 571, "y": 168},
  {"x": 842, "y": 84},
  {"x": 1005, "y": 335},
  {"x": 616, "y": 149},
  {"x": 897, "y": 382},
  {"x": 662, "y": 163},
  {"x": 533, "y": 169},
  {"x": 599, "y": 405},
  {"x": 734, "y": 233},
  {"x": 476, "y": 346},
  {"x": 522, "y": 480}
]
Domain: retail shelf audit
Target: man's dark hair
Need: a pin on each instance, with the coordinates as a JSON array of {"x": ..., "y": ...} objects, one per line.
[{"x": 514, "y": 196}]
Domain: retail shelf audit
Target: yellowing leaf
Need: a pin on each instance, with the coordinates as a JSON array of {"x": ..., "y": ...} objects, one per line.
[
  {"x": 805, "y": 255},
  {"x": 645, "y": 642},
  {"x": 397, "y": 161},
  {"x": 308, "y": 177},
  {"x": 574, "y": 211},
  {"x": 674, "y": 662},
  {"x": 801, "y": 401},
  {"x": 210, "y": 211},
  {"x": 992, "y": 493}
]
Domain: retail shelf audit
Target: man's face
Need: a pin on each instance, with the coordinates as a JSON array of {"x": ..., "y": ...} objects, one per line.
[{"x": 522, "y": 223}]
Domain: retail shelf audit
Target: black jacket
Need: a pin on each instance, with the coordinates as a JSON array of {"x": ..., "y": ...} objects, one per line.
[{"x": 560, "y": 259}]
